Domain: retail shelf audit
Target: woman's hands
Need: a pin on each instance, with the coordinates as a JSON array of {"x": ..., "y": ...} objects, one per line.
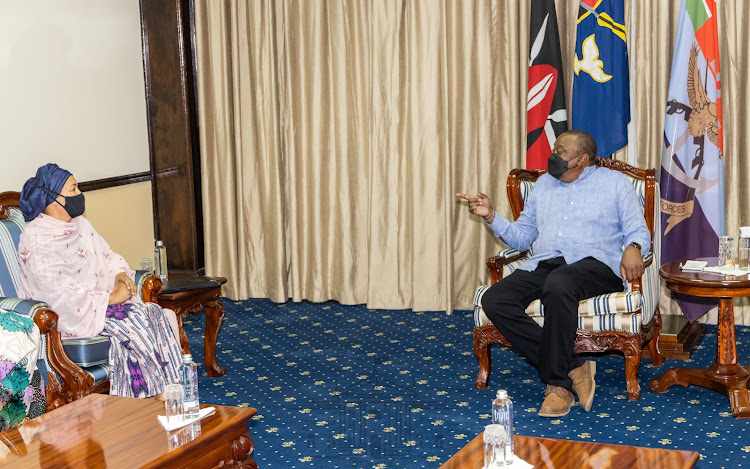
[{"x": 124, "y": 289}]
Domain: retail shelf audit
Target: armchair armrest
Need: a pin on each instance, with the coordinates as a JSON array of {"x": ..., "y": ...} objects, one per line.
[
  {"x": 76, "y": 383},
  {"x": 503, "y": 258},
  {"x": 149, "y": 286},
  {"x": 39, "y": 311}
]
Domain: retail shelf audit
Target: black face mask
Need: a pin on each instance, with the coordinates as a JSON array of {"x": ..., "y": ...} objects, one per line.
[
  {"x": 556, "y": 166},
  {"x": 75, "y": 205}
]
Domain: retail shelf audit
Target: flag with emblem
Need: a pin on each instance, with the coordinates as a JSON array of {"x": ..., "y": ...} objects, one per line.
[
  {"x": 692, "y": 168},
  {"x": 545, "y": 105},
  {"x": 601, "y": 85}
]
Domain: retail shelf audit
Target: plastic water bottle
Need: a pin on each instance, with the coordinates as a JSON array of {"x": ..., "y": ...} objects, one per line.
[
  {"x": 502, "y": 413},
  {"x": 189, "y": 379},
  {"x": 160, "y": 260}
]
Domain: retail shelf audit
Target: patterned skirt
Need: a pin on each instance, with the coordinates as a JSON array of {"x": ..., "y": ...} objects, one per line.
[
  {"x": 144, "y": 355},
  {"x": 21, "y": 385}
]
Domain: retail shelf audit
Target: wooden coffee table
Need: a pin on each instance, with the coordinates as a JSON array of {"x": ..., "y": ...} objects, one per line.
[
  {"x": 109, "y": 431},
  {"x": 547, "y": 452}
]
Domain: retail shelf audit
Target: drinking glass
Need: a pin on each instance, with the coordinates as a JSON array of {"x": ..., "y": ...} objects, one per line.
[
  {"x": 495, "y": 439},
  {"x": 726, "y": 251},
  {"x": 743, "y": 248},
  {"x": 147, "y": 265},
  {"x": 173, "y": 402}
]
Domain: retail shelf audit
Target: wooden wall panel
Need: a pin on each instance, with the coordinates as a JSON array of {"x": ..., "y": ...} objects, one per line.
[{"x": 168, "y": 33}]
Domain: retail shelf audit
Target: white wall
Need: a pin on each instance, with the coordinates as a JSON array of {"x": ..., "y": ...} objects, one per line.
[
  {"x": 71, "y": 88},
  {"x": 72, "y": 92}
]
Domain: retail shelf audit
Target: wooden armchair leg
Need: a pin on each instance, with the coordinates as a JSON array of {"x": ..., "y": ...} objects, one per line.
[
  {"x": 482, "y": 352},
  {"x": 653, "y": 348},
  {"x": 54, "y": 393},
  {"x": 632, "y": 351}
]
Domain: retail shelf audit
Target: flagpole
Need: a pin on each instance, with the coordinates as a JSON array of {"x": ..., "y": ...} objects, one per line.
[{"x": 632, "y": 129}]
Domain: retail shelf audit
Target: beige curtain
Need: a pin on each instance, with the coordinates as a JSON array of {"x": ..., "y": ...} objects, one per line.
[
  {"x": 334, "y": 135},
  {"x": 734, "y": 52}
]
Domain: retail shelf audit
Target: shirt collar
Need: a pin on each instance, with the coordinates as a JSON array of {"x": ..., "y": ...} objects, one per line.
[{"x": 587, "y": 171}]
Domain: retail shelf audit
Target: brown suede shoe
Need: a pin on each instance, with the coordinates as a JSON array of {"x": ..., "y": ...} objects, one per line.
[
  {"x": 557, "y": 402},
  {"x": 584, "y": 384}
]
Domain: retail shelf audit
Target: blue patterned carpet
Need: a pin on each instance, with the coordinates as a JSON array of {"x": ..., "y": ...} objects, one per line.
[{"x": 346, "y": 387}]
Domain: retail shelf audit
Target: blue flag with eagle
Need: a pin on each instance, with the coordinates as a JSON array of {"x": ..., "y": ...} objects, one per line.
[
  {"x": 601, "y": 85},
  {"x": 692, "y": 168}
]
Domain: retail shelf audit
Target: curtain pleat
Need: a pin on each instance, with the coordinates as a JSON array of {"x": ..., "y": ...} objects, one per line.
[{"x": 334, "y": 135}]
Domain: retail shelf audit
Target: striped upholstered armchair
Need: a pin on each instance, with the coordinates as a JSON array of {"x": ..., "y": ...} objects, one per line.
[
  {"x": 623, "y": 322},
  {"x": 71, "y": 368}
]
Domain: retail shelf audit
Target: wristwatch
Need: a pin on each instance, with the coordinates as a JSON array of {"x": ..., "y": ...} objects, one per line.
[{"x": 635, "y": 245}]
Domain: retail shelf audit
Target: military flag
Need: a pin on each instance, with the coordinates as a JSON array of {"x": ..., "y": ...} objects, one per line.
[
  {"x": 601, "y": 85},
  {"x": 692, "y": 168},
  {"x": 545, "y": 106}
]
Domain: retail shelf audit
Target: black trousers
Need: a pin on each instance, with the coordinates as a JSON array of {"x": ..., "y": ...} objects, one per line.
[{"x": 560, "y": 287}]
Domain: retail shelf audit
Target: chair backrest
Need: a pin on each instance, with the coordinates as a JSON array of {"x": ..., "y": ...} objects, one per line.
[
  {"x": 11, "y": 225},
  {"x": 521, "y": 182}
]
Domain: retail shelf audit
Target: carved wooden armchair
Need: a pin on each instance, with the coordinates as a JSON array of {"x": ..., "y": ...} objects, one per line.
[
  {"x": 622, "y": 322},
  {"x": 72, "y": 368}
]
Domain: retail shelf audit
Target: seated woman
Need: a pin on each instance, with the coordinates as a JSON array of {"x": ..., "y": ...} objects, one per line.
[{"x": 65, "y": 263}]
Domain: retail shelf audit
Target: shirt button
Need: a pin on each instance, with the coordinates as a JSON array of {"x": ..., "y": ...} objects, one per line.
[
  {"x": 559, "y": 234},
  {"x": 571, "y": 203},
  {"x": 566, "y": 218}
]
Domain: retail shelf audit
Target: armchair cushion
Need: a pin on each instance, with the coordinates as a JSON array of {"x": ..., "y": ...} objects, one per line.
[
  {"x": 99, "y": 372},
  {"x": 88, "y": 351},
  {"x": 610, "y": 312}
]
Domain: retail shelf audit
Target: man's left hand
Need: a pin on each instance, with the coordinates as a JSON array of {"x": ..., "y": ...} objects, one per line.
[{"x": 631, "y": 266}]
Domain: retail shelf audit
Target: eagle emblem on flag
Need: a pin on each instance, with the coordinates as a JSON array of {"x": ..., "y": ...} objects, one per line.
[{"x": 704, "y": 118}]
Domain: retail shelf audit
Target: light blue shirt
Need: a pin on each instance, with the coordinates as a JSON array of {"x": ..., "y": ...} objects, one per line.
[{"x": 596, "y": 215}]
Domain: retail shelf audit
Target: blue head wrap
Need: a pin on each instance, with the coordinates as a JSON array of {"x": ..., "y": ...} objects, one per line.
[{"x": 42, "y": 190}]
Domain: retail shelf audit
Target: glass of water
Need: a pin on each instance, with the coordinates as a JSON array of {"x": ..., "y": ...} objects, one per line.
[
  {"x": 174, "y": 406},
  {"x": 147, "y": 265},
  {"x": 743, "y": 248},
  {"x": 726, "y": 251},
  {"x": 495, "y": 439}
]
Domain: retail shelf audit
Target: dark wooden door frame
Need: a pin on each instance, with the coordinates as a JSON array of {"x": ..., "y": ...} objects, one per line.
[{"x": 168, "y": 36}]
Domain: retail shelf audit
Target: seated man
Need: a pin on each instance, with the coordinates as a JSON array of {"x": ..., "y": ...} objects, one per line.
[
  {"x": 65, "y": 263},
  {"x": 577, "y": 219}
]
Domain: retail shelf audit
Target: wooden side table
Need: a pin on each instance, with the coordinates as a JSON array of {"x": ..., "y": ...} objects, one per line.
[
  {"x": 725, "y": 375},
  {"x": 193, "y": 295}
]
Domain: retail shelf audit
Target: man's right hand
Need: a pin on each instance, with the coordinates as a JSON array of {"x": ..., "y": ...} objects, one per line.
[{"x": 479, "y": 205}]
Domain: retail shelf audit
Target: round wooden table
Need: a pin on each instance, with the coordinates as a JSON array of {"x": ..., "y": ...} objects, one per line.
[{"x": 725, "y": 375}]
